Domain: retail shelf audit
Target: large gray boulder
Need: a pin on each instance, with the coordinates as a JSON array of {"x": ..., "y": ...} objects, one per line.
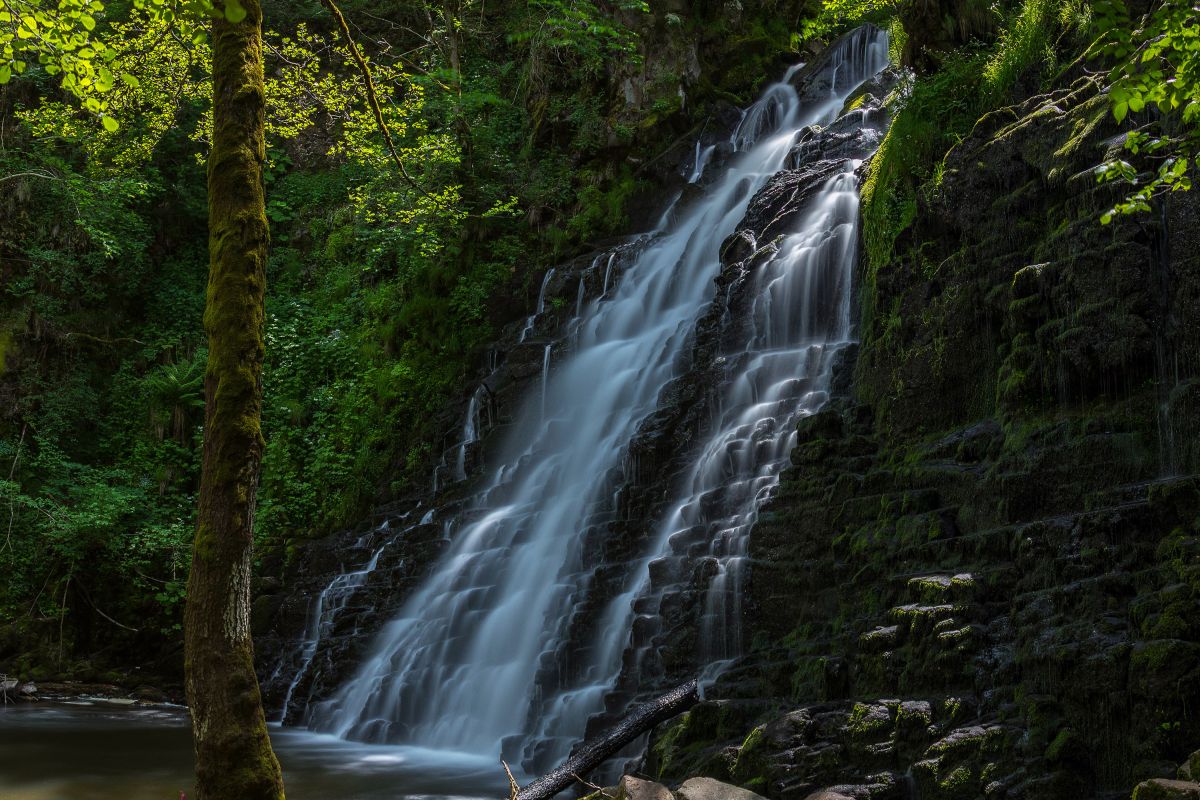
[
  {"x": 631, "y": 788},
  {"x": 709, "y": 789}
]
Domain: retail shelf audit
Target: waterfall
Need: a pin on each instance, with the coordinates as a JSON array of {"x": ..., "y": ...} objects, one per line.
[
  {"x": 458, "y": 667},
  {"x": 608, "y": 274},
  {"x": 471, "y": 427},
  {"x": 778, "y": 372},
  {"x": 323, "y": 612},
  {"x": 531, "y": 320},
  {"x": 699, "y": 161}
]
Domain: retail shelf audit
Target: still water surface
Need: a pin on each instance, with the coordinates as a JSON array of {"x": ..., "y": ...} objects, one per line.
[{"x": 91, "y": 750}]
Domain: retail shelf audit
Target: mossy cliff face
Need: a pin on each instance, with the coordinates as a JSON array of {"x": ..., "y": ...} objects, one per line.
[{"x": 980, "y": 578}]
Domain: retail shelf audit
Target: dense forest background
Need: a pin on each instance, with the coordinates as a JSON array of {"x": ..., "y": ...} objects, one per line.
[{"x": 529, "y": 131}]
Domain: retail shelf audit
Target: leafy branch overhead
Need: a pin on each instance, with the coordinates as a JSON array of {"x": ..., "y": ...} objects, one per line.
[
  {"x": 67, "y": 40},
  {"x": 1156, "y": 85}
]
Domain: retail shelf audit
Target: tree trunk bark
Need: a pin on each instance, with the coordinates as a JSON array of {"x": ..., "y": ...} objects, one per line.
[
  {"x": 593, "y": 753},
  {"x": 234, "y": 760}
]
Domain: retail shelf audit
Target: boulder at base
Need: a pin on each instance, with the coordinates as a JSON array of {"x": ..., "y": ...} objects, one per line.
[
  {"x": 1163, "y": 789},
  {"x": 709, "y": 789},
  {"x": 632, "y": 788}
]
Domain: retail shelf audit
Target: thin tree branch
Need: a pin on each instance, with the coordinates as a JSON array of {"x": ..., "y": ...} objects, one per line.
[
  {"x": 12, "y": 500},
  {"x": 16, "y": 175},
  {"x": 513, "y": 788},
  {"x": 92, "y": 603},
  {"x": 101, "y": 339},
  {"x": 372, "y": 98}
]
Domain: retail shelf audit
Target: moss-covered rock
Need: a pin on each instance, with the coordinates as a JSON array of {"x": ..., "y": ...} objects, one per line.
[{"x": 1163, "y": 789}]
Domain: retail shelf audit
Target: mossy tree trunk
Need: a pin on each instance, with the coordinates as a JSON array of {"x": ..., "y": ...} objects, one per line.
[{"x": 234, "y": 760}]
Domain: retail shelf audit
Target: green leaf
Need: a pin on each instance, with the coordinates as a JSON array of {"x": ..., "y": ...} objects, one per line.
[
  {"x": 234, "y": 11},
  {"x": 110, "y": 124},
  {"x": 5, "y": 74},
  {"x": 1120, "y": 110}
]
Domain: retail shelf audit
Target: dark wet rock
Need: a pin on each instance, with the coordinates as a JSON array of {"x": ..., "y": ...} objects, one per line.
[
  {"x": 776, "y": 209},
  {"x": 1190, "y": 769},
  {"x": 150, "y": 694},
  {"x": 1163, "y": 789},
  {"x": 963, "y": 578}
]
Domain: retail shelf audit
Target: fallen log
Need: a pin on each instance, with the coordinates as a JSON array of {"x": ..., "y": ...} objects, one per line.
[{"x": 593, "y": 753}]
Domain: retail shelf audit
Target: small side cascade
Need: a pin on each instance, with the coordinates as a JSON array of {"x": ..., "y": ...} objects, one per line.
[
  {"x": 473, "y": 424},
  {"x": 699, "y": 161},
  {"x": 545, "y": 375},
  {"x": 531, "y": 320},
  {"x": 608, "y": 272},
  {"x": 326, "y": 608}
]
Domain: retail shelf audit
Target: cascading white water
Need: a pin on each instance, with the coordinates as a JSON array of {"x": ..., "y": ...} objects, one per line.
[
  {"x": 608, "y": 274},
  {"x": 471, "y": 427},
  {"x": 322, "y": 616},
  {"x": 800, "y": 318},
  {"x": 457, "y": 667},
  {"x": 699, "y": 161}
]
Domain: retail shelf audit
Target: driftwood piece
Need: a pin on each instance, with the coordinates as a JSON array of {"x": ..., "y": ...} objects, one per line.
[{"x": 593, "y": 753}]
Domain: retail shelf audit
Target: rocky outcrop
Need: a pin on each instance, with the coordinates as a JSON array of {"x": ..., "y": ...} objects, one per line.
[{"x": 980, "y": 576}]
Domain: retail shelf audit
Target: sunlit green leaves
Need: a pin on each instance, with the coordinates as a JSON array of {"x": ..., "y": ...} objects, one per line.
[
  {"x": 75, "y": 41},
  {"x": 235, "y": 12},
  {"x": 1157, "y": 68},
  {"x": 838, "y": 15}
]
